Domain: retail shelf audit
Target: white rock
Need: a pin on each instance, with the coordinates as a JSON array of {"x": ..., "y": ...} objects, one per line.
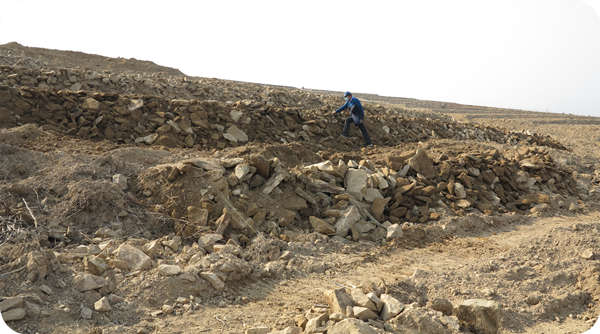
[
  {"x": 169, "y": 269},
  {"x": 235, "y": 134},
  {"x": 86, "y": 313},
  {"x": 241, "y": 170},
  {"x": 370, "y": 194},
  {"x": 355, "y": 181},
  {"x": 352, "y": 164},
  {"x": 346, "y": 221},
  {"x": 459, "y": 191},
  {"x": 213, "y": 279},
  {"x": 236, "y": 115},
  {"x": 102, "y": 305},
  {"x": 120, "y": 180},
  {"x": 90, "y": 104},
  {"x": 149, "y": 139},
  {"x": 351, "y": 326},
  {"x": 391, "y": 307},
  {"x": 363, "y": 313},
  {"x": 85, "y": 282},
  {"x": 394, "y": 231},
  {"x": 133, "y": 257}
]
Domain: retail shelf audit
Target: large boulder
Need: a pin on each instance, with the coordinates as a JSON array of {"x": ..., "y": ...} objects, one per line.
[{"x": 483, "y": 316}]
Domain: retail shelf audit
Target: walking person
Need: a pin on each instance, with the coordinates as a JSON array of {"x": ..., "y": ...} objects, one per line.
[{"x": 357, "y": 115}]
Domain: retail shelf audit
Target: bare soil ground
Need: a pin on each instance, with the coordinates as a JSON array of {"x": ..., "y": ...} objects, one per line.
[{"x": 137, "y": 202}]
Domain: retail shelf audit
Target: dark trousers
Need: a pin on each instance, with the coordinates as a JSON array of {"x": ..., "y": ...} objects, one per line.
[{"x": 360, "y": 125}]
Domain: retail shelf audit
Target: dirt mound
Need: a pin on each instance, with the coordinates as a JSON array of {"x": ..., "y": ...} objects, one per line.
[{"x": 14, "y": 54}]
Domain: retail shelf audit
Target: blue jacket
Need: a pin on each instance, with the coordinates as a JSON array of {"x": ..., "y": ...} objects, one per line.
[{"x": 356, "y": 110}]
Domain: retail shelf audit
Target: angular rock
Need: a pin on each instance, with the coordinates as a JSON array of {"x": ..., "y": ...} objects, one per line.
[
  {"x": 169, "y": 269},
  {"x": 361, "y": 299},
  {"x": 149, "y": 139},
  {"x": 371, "y": 194},
  {"x": 120, "y": 180},
  {"x": 14, "y": 314},
  {"x": 314, "y": 323},
  {"x": 133, "y": 257},
  {"x": 289, "y": 330},
  {"x": 95, "y": 265},
  {"x": 483, "y": 316},
  {"x": 214, "y": 280},
  {"x": 90, "y": 104},
  {"x": 207, "y": 164},
  {"x": 422, "y": 163},
  {"x": 391, "y": 307},
  {"x": 273, "y": 182},
  {"x": 11, "y": 302},
  {"x": 376, "y": 301},
  {"x": 346, "y": 221},
  {"x": 355, "y": 182},
  {"x": 363, "y": 313},
  {"x": 236, "y": 115},
  {"x": 241, "y": 170},
  {"x": 394, "y": 231},
  {"x": 208, "y": 240},
  {"x": 173, "y": 243},
  {"x": 351, "y": 326},
  {"x": 443, "y": 305},
  {"x": 235, "y": 135},
  {"x": 102, "y": 305},
  {"x": 338, "y": 300},
  {"x": 321, "y": 226},
  {"x": 459, "y": 191},
  {"x": 85, "y": 282},
  {"x": 197, "y": 215},
  {"x": 86, "y": 313},
  {"x": 378, "y": 207}
]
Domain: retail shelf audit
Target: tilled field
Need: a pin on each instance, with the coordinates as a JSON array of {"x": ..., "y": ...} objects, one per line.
[{"x": 135, "y": 201}]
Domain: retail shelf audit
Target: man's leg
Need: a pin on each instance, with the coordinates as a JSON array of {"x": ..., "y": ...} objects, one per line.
[
  {"x": 365, "y": 134},
  {"x": 346, "y": 126}
]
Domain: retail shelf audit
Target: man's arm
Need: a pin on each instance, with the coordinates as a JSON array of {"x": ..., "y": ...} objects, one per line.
[{"x": 342, "y": 107}]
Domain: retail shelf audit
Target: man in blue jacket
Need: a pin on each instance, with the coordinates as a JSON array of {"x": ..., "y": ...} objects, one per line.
[{"x": 357, "y": 116}]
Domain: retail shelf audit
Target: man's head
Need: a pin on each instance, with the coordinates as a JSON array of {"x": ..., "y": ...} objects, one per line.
[{"x": 347, "y": 96}]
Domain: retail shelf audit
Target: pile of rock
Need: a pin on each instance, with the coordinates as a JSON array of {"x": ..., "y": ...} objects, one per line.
[
  {"x": 156, "y": 120},
  {"x": 352, "y": 311},
  {"x": 363, "y": 200}
]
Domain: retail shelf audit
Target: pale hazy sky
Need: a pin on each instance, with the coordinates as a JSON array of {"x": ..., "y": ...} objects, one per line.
[{"x": 539, "y": 55}]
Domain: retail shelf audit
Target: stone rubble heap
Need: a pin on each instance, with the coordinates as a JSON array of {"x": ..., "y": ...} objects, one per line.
[
  {"x": 352, "y": 311},
  {"x": 156, "y": 120}
]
